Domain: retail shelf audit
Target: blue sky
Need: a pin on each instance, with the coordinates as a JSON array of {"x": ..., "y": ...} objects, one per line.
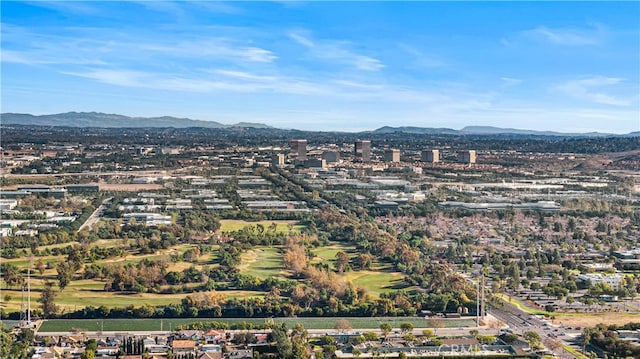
[{"x": 566, "y": 66}]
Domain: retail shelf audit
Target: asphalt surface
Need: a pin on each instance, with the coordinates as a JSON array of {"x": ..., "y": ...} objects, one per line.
[
  {"x": 95, "y": 216},
  {"x": 519, "y": 322}
]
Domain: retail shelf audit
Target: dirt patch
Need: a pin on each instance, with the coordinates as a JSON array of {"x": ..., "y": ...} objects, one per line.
[{"x": 587, "y": 320}]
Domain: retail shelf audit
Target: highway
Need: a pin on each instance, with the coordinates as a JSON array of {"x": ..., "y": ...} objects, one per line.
[{"x": 520, "y": 322}]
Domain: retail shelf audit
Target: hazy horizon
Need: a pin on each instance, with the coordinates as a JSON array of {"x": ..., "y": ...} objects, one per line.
[
  {"x": 325, "y": 130},
  {"x": 336, "y": 66}
]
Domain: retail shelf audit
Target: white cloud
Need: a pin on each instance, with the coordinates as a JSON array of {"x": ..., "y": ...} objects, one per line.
[
  {"x": 358, "y": 85},
  {"x": 504, "y": 41},
  {"x": 213, "y": 48},
  {"x": 590, "y": 89},
  {"x": 244, "y": 75},
  {"x": 78, "y": 45},
  {"x": 76, "y": 7},
  {"x": 233, "y": 81},
  {"x": 594, "y": 35},
  {"x": 420, "y": 58},
  {"x": 182, "y": 8},
  {"x": 335, "y": 50},
  {"x": 510, "y": 82},
  {"x": 301, "y": 40}
]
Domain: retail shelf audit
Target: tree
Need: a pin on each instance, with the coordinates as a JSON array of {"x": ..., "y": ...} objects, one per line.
[
  {"x": 47, "y": 300},
  {"x": 343, "y": 325},
  {"x": 300, "y": 349},
  {"x": 409, "y": 338},
  {"x": 385, "y": 328},
  {"x": 342, "y": 261},
  {"x": 65, "y": 274},
  {"x": 435, "y": 323},
  {"x": 5, "y": 344},
  {"x": 25, "y": 335},
  {"x": 370, "y": 336},
  {"x": 406, "y": 327},
  {"x": 283, "y": 343},
  {"x": 11, "y": 275},
  {"x": 296, "y": 259},
  {"x": 533, "y": 338},
  {"x": 509, "y": 338},
  {"x": 364, "y": 260},
  {"x": 40, "y": 266},
  {"x": 88, "y": 354}
]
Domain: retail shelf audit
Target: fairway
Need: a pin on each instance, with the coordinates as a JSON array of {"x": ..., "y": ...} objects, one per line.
[
  {"x": 376, "y": 282},
  {"x": 230, "y": 225},
  {"x": 262, "y": 262},
  {"x": 327, "y": 254},
  {"x": 123, "y": 325}
]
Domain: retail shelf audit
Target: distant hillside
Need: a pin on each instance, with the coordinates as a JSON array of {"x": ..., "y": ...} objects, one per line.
[
  {"x": 417, "y": 130},
  {"x": 490, "y": 130},
  {"x": 104, "y": 120},
  {"x": 485, "y": 130}
]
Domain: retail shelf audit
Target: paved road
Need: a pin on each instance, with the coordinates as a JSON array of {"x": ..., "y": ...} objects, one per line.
[
  {"x": 95, "y": 216},
  {"x": 520, "y": 322}
]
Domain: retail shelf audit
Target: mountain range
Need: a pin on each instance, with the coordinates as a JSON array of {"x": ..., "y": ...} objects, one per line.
[
  {"x": 103, "y": 120},
  {"x": 490, "y": 130}
]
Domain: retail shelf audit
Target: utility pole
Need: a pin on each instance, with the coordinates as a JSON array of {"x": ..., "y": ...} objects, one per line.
[
  {"x": 478, "y": 304},
  {"x": 482, "y": 308},
  {"x": 29, "y": 295}
]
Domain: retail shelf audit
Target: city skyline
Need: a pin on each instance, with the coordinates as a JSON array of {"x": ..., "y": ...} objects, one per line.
[{"x": 570, "y": 67}]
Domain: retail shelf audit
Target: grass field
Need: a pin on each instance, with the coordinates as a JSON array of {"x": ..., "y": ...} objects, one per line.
[
  {"x": 327, "y": 254},
  {"x": 87, "y": 292},
  {"x": 123, "y": 325},
  {"x": 230, "y": 225},
  {"x": 380, "y": 279},
  {"x": 262, "y": 262},
  {"x": 376, "y": 282}
]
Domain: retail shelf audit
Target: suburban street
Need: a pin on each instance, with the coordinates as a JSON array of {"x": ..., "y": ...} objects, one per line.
[{"x": 95, "y": 216}]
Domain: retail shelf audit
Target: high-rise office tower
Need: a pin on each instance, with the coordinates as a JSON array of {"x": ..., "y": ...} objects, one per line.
[
  {"x": 468, "y": 156},
  {"x": 392, "y": 155},
  {"x": 278, "y": 160},
  {"x": 362, "y": 151},
  {"x": 299, "y": 148},
  {"x": 431, "y": 156}
]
